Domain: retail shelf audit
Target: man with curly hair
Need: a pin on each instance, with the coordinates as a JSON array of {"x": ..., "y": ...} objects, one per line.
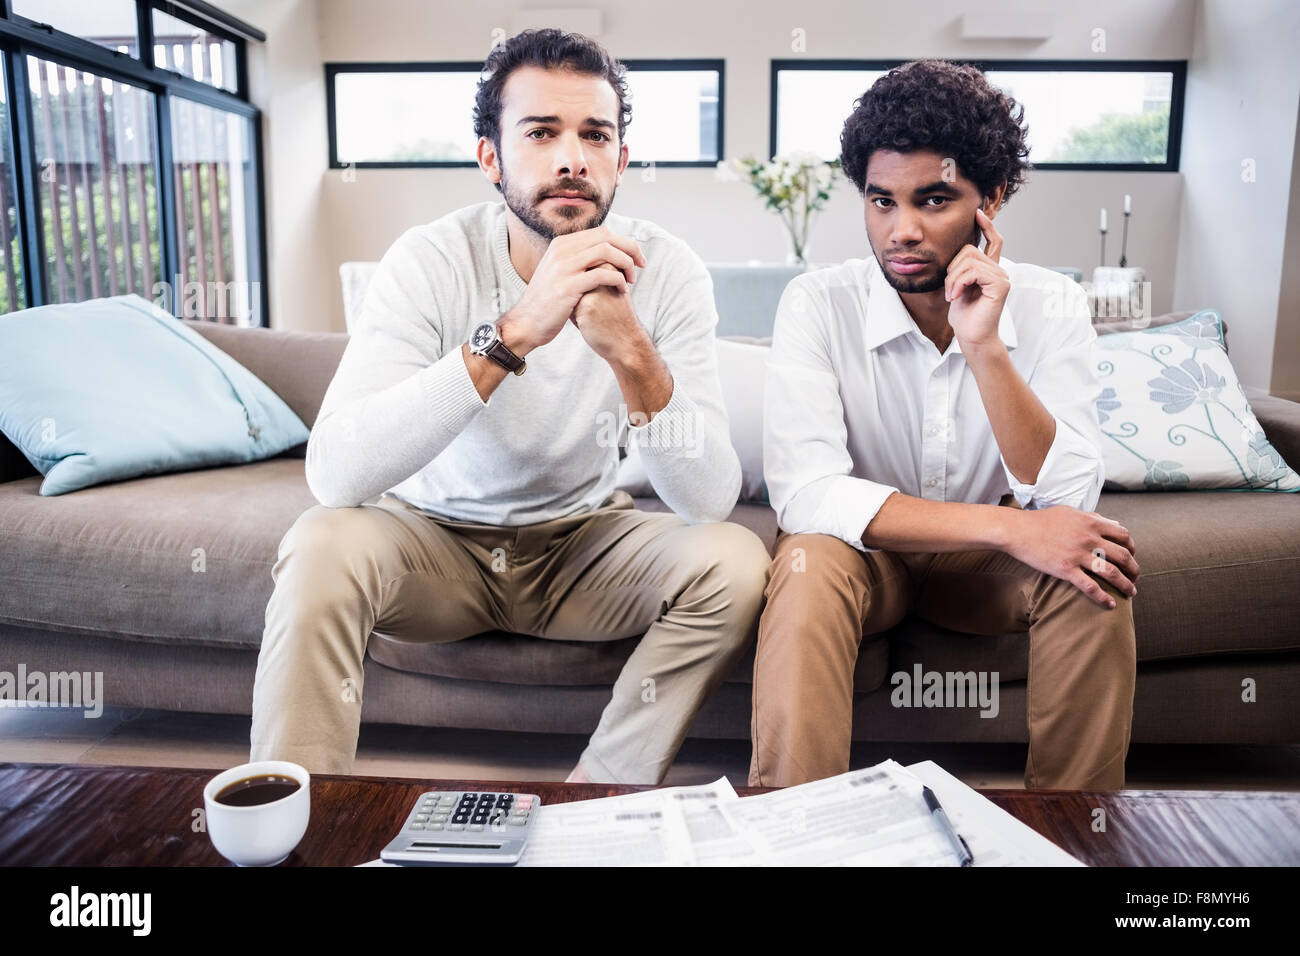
[{"x": 931, "y": 445}]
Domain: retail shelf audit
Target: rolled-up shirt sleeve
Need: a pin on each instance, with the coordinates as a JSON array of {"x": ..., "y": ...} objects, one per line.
[
  {"x": 1073, "y": 471},
  {"x": 806, "y": 461}
]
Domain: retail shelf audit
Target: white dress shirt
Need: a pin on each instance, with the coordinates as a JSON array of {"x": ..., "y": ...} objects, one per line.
[{"x": 860, "y": 404}]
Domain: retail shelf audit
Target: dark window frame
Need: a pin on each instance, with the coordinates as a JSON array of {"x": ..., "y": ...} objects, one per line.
[
  {"x": 21, "y": 37},
  {"x": 333, "y": 69},
  {"x": 686, "y": 65},
  {"x": 1178, "y": 68},
  {"x": 216, "y": 28}
]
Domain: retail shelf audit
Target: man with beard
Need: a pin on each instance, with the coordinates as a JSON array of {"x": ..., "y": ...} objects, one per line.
[
  {"x": 502, "y": 354},
  {"x": 909, "y": 394}
]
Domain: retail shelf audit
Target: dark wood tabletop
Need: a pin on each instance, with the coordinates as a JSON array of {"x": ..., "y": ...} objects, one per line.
[{"x": 75, "y": 815}]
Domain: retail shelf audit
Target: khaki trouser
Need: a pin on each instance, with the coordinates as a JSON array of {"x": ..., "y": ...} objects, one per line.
[
  {"x": 1082, "y": 657},
  {"x": 694, "y": 591}
]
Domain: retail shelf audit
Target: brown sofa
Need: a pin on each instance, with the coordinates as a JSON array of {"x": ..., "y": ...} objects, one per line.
[{"x": 103, "y": 579}]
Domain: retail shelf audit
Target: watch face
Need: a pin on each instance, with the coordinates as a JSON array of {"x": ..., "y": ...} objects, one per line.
[{"x": 483, "y": 336}]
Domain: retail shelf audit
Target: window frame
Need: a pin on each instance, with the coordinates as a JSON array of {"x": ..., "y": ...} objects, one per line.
[
  {"x": 21, "y": 37},
  {"x": 688, "y": 65},
  {"x": 333, "y": 69},
  {"x": 216, "y": 28},
  {"x": 1177, "y": 93}
]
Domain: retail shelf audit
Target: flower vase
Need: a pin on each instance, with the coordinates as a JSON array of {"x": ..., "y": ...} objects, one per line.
[{"x": 795, "y": 256}]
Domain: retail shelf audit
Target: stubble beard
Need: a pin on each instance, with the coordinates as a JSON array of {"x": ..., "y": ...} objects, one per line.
[
  {"x": 576, "y": 218},
  {"x": 923, "y": 284}
]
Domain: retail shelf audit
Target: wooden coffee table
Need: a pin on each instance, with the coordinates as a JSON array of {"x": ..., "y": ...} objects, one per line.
[{"x": 60, "y": 815}]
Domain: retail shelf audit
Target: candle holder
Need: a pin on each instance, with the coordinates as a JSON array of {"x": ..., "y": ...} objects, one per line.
[
  {"x": 1123, "y": 247},
  {"x": 1102, "y": 225}
]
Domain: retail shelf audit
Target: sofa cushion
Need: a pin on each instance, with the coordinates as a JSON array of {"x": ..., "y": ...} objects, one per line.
[
  {"x": 758, "y": 518},
  {"x": 141, "y": 393},
  {"x": 1189, "y": 426},
  {"x": 1219, "y": 571},
  {"x": 122, "y": 560},
  {"x": 1183, "y": 608},
  {"x": 1218, "y": 577},
  {"x": 514, "y": 659},
  {"x": 742, "y": 371},
  {"x": 1280, "y": 419},
  {"x": 298, "y": 365},
  {"x": 500, "y": 658}
]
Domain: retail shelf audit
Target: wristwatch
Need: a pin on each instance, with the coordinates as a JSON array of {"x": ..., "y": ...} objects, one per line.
[{"x": 486, "y": 340}]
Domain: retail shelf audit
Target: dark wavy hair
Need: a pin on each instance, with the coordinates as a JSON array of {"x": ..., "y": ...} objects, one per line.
[
  {"x": 550, "y": 49},
  {"x": 942, "y": 106}
]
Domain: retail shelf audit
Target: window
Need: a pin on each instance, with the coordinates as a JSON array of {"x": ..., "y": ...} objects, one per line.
[
  {"x": 1088, "y": 115},
  {"x": 110, "y": 23},
  {"x": 215, "y": 208},
  {"x": 195, "y": 51},
  {"x": 401, "y": 115},
  {"x": 13, "y": 295},
  {"x": 129, "y": 175},
  {"x": 810, "y": 106},
  {"x": 676, "y": 112},
  {"x": 98, "y": 201},
  {"x": 422, "y": 114}
]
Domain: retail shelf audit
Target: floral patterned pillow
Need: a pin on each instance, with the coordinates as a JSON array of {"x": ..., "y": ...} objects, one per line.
[{"x": 1174, "y": 416}]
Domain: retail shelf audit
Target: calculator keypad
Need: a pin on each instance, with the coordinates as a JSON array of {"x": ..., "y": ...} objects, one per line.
[{"x": 473, "y": 812}]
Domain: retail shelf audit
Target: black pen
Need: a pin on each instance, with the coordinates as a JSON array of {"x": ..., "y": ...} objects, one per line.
[{"x": 959, "y": 845}]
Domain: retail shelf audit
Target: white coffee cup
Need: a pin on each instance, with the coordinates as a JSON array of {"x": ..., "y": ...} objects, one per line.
[{"x": 261, "y": 835}]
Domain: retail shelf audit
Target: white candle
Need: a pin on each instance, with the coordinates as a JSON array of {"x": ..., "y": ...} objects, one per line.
[
  {"x": 1103, "y": 220},
  {"x": 1128, "y": 204}
]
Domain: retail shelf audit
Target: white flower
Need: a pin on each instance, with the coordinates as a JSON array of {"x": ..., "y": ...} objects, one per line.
[
  {"x": 726, "y": 171},
  {"x": 803, "y": 157}
]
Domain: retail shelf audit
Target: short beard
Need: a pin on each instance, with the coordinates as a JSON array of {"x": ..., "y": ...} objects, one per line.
[
  {"x": 936, "y": 282},
  {"x": 527, "y": 208}
]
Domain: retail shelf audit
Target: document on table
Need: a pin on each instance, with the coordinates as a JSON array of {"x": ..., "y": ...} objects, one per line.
[
  {"x": 676, "y": 826},
  {"x": 995, "y": 837},
  {"x": 715, "y": 840},
  {"x": 870, "y": 817}
]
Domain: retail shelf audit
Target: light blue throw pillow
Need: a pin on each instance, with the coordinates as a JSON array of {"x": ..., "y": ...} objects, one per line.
[{"x": 117, "y": 388}]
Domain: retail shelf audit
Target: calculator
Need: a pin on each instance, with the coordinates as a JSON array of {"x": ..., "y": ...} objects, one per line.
[{"x": 458, "y": 827}]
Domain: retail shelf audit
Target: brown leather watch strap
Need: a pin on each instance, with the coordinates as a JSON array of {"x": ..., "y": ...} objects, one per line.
[{"x": 507, "y": 359}]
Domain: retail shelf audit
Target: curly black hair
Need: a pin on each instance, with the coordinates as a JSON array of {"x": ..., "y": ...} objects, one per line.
[
  {"x": 550, "y": 49},
  {"x": 942, "y": 106}
]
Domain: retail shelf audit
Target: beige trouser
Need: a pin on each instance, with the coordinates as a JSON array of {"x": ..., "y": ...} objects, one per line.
[
  {"x": 823, "y": 600},
  {"x": 693, "y": 591}
]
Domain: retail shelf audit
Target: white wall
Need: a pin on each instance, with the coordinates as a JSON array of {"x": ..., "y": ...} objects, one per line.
[
  {"x": 322, "y": 217},
  {"x": 287, "y": 82},
  {"x": 1243, "y": 86},
  {"x": 1286, "y": 343},
  {"x": 1052, "y": 221}
]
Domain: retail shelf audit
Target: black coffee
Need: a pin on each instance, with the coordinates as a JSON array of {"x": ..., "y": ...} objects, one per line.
[{"x": 254, "y": 791}]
